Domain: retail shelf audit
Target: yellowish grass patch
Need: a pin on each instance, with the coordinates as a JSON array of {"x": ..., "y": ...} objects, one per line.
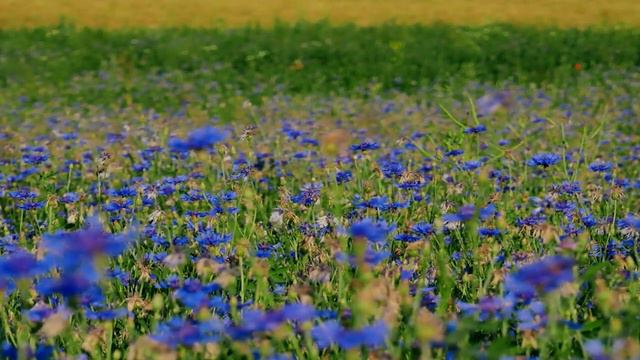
[{"x": 112, "y": 14}]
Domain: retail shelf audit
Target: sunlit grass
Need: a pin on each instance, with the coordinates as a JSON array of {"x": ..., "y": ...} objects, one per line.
[{"x": 205, "y": 13}]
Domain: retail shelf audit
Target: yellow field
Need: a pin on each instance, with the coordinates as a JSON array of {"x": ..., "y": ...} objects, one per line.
[{"x": 203, "y": 13}]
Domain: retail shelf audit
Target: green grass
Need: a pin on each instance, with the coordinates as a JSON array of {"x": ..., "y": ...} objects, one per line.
[{"x": 306, "y": 58}]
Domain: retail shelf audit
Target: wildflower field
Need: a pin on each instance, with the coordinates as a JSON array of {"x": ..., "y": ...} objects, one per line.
[{"x": 315, "y": 191}]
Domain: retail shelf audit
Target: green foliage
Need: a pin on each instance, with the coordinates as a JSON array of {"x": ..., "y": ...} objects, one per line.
[{"x": 313, "y": 57}]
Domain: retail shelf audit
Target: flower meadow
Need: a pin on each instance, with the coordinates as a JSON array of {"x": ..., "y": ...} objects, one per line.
[{"x": 477, "y": 221}]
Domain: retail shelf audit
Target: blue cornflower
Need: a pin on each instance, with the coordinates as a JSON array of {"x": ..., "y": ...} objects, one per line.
[
  {"x": 454, "y": 152},
  {"x": 228, "y": 196},
  {"x": 374, "y": 257},
  {"x": 589, "y": 220},
  {"x": 391, "y": 169},
  {"x": 89, "y": 242},
  {"x": 254, "y": 320},
  {"x": 540, "y": 277},
  {"x": 569, "y": 188},
  {"x": 85, "y": 245},
  {"x": 211, "y": 238},
  {"x": 544, "y": 159},
  {"x": 371, "y": 230},
  {"x": 30, "y": 205},
  {"x": 471, "y": 165},
  {"x": 533, "y": 220},
  {"x": 105, "y": 315},
  {"x": 632, "y": 221},
  {"x": 326, "y": 334},
  {"x": 488, "y": 212},
  {"x": 34, "y": 159},
  {"x": 475, "y": 129},
  {"x": 198, "y": 139},
  {"x": 117, "y": 205},
  {"x": 465, "y": 213},
  {"x": 192, "y": 196},
  {"x": 487, "y": 232},
  {"x": 423, "y": 229},
  {"x": 39, "y": 312},
  {"x": 488, "y": 307},
  {"x": 308, "y": 195},
  {"x": 600, "y": 166},
  {"x": 22, "y": 194},
  {"x": 123, "y": 192},
  {"x": 179, "y": 331},
  {"x": 365, "y": 146},
  {"x": 406, "y": 237},
  {"x": 68, "y": 286},
  {"x": 264, "y": 251},
  {"x": 343, "y": 176},
  {"x": 378, "y": 203},
  {"x": 122, "y": 276},
  {"x": 193, "y": 294},
  {"x": 298, "y": 312},
  {"x": 372, "y": 336},
  {"x": 332, "y": 333},
  {"x": 20, "y": 265},
  {"x": 533, "y": 317},
  {"x": 69, "y": 198},
  {"x": 43, "y": 352}
]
